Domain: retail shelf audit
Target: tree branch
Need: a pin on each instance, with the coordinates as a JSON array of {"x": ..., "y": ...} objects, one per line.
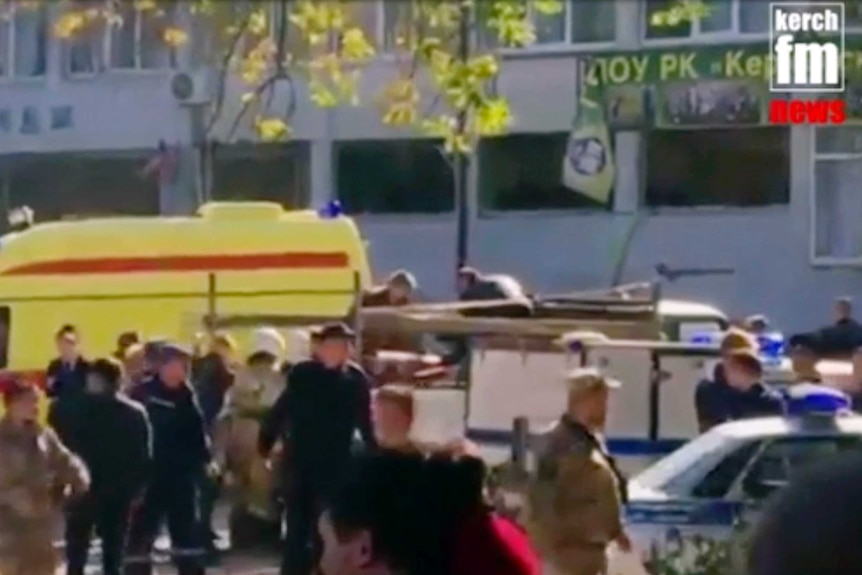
[{"x": 224, "y": 71}]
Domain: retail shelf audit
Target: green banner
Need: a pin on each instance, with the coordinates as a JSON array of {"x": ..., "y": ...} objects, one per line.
[
  {"x": 702, "y": 86},
  {"x": 589, "y": 167}
]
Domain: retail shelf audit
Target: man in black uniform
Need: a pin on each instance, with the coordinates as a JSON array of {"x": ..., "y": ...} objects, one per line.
[
  {"x": 327, "y": 399},
  {"x": 67, "y": 373},
  {"x": 180, "y": 451},
  {"x": 113, "y": 438}
]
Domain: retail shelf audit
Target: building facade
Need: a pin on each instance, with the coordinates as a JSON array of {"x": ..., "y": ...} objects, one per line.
[{"x": 769, "y": 219}]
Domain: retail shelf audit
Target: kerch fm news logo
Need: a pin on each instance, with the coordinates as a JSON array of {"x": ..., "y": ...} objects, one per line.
[{"x": 808, "y": 79}]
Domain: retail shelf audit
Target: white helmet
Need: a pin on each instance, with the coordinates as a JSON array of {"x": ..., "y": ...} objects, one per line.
[{"x": 268, "y": 340}]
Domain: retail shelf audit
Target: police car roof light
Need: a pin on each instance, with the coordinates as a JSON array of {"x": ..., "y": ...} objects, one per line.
[
  {"x": 331, "y": 210},
  {"x": 810, "y": 399},
  {"x": 771, "y": 345}
]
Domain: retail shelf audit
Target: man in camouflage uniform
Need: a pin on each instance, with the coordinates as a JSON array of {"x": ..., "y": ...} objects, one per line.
[
  {"x": 37, "y": 473},
  {"x": 576, "y": 496}
]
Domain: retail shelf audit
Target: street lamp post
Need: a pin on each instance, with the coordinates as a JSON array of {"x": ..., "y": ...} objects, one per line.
[{"x": 461, "y": 164}]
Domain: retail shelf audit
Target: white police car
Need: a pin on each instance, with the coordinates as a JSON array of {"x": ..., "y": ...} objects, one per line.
[{"x": 721, "y": 478}]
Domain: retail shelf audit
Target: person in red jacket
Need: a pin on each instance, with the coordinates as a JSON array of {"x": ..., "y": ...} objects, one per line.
[{"x": 408, "y": 514}]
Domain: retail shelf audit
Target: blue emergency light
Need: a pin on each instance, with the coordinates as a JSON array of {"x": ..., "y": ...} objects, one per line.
[
  {"x": 331, "y": 210},
  {"x": 709, "y": 338},
  {"x": 815, "y": 399},
  {"x": 771, "y": 344}
]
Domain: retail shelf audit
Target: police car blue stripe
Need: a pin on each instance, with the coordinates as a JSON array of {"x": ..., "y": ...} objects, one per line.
[
  {"x": 617, "y": 445},
  {"x": 714, "y": 513}
]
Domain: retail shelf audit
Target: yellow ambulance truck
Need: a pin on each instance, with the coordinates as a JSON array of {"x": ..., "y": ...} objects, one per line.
[{"x": 155, "y": 275}]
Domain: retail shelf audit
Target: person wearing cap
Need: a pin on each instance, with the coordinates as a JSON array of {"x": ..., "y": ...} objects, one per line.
[
  {"x": 576, "y": 495},
  {"x": 180, "y": 453},
  {"x": 474, "y": 286},
  {"x": 399, "y": 289},
  {"x": 38, "y": 476},
  {"x": 712, "y": 395},
  {"x": 68, "y": 372},
  {"x": 326, "y": 401},
  {"x": 756, "y": 324},
  {"x": 114, "y": 440},
  {"x": 804, "y": 357},
  {"x": 258, "y": 385}
]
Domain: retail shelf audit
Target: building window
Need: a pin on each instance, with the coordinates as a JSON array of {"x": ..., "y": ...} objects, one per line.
[
  {"x": 84, "y": 51},
  {"x": 262, "y": 172},
  {"x": 725, "y": 17},
  {"x": 525, "y": 172},
  {"x": 736, "y": 167},
  {"x": 23, "y": 41},
  {"x": 394, "y": 177},
  {"x": 837, "y": 206},
  {"x": 136, "y": 41},
  {"x": 579, "y": 22},
  {"x": 398, "y": 26}
]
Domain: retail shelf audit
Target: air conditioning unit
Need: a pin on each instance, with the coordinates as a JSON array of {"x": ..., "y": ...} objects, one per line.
[{"x": 190, "y": 88}]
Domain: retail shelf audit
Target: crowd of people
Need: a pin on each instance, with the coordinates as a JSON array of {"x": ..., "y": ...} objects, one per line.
[
  {"x": 132, "y": 446},
  {"x": 135, "y": 443},
  {"x": 736, "y": 389}
]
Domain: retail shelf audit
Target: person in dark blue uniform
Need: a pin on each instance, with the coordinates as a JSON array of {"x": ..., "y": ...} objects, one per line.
[
  {"x": 327, "y": 399},
  {"x": 843, "y": 336},
  {"x": 180, "y": 451},
  {"x": 67, "y": 374},
  {"x": 113, "y": 438}
]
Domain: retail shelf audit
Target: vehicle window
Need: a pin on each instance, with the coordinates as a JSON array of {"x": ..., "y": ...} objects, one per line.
[
  {"x": 783, "y": 458},
  {"x": 718, "y": 481},
  {"x": 668, "y": 470},
  {"x": 5, "y": 330},
  {"x": 688, "y": 329}
]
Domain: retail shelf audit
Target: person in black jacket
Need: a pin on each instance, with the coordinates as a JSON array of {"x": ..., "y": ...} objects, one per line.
[
  {"x": 180, "y": 452},
  {"x": 845, "y": 335},
  {"x": 327, "y": 399},
  {"x": 68, "y": 372},
  {"x": 213, "y": 377},
  {"x": 113, "y": 438}
]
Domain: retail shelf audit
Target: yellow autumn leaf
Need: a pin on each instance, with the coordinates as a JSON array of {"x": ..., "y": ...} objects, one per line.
[
  {"x": 272, "y": 129},
  {"x": 145, "y": 5},
  {"x": 175, "y": 37},
  {"x": 69, "y": 24}
]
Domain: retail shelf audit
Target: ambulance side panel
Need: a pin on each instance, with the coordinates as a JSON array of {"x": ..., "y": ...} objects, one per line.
[{"x": 152, "y": 274}]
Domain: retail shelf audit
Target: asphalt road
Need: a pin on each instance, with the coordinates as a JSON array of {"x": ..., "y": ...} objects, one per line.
[{"x": 232, "y": 563}]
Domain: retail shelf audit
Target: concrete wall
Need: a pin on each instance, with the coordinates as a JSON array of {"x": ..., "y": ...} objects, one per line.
[{"x": 768, "y": 248}]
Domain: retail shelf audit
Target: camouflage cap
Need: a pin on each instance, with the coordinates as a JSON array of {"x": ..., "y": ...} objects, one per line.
[{"x": 589, "y": 379}]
